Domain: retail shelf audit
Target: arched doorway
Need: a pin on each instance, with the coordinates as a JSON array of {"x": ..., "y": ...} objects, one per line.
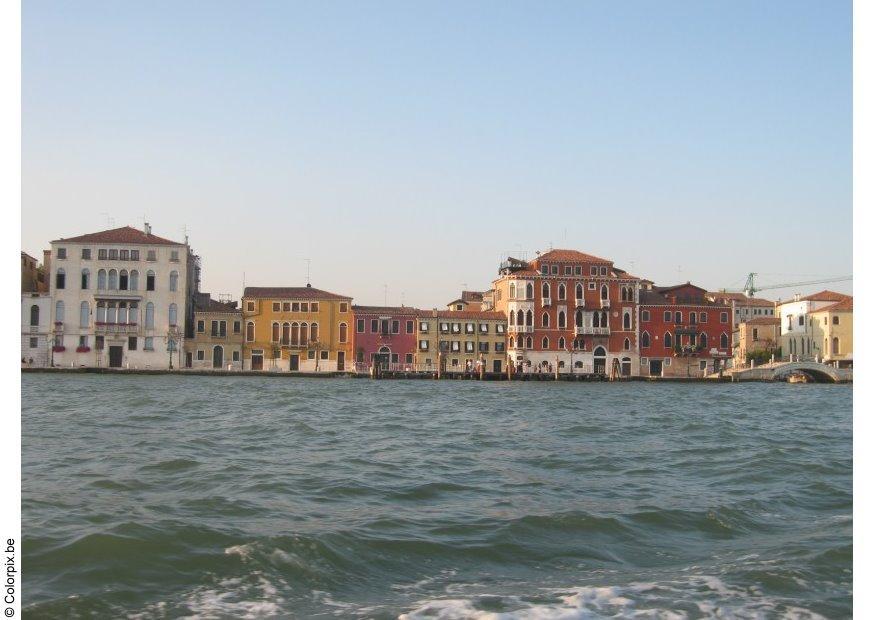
[
  {"x": 382, "y": 357},
  {"x": 218, "y": 356},
  {"x": 626, "y": 367},
  {"x": 599, "y": 360}
]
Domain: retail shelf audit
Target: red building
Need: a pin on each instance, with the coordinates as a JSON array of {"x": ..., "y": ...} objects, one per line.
[
  {"x": 570, "y": 310},
  {"x": 385, "y": 336},
  {"x": 682, "y": 332}
]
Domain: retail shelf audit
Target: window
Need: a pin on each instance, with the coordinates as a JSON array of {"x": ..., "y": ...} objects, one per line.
[
  {"x": 84, "y": 314},
  {"x": 60, "y": 279},
  {"x": 150, "y": 255},
  {"x": 561, "y": 319},
  {"x": 512, "y": 294},
  {"x": 457, "y": 328},
  {"x": 703, "y": 341},
  {"x": 603, "y": 271},
  {"x": 703, "y": 317},
  {"x": 135, "y": 254},
  {"x": 530, "y": 291},
  {"x": 86, "y": 253},
  {"x": 323, "y": 355},
  {"x": 342, "y": 333},
  {"x": 627, "y": 320},
  {"x": 593, "y": 271},
  {"x": 545, "y": 270},
  {"x": 645, "y": 315},
  {"x": 545, "y": 343},
  {"x": 250, "y": 306},
  {"x": 123, "y": 280},
  {"x": 174, "y": 256},
  {"x": 86, "y": 276},
  {"x": 567, "y": 270},
  {"x": 554, "y": 270},
  {"x": 724, "y": 317},
  {"x": 171, "y": 315},
  {"x": 59, "y": 311},
  {"x": 692, "y": 318},
  {"x": 250, "y": 332},
  {"x": 304, "y": 307},
  {"x": 561, "y": 294},
  {"x": 360, "y": 326},
  {"x": 113, "y": 255},
  {"x": 645, "y": 339},
  {"x": 125, "y": 254},
  {"x": 469, "y": 328},
  {"x": 235, "y": 356},
  {"x": 200, "y": 355},
  {"x": 375, "y": 326},
  {"x": 174, "y": 280},
  {"x": 484, "y": 328},
  {"x": 396, "y": 327},
  {"x": 591, "y": 286},
  {"x": 275, "y": 332},
  {"x": 34, "y": 315},
  {"x": 408, "y": 358},
  {"x": 200, "y": 326},
  {"x": 469, "y": 346},
  {"x": 314, "y": 332},
  {"x": 678, "y": 318},
  {"x": 666, "y": 341},
  {"x": 314, "y": 306},
  {"x": 626, "y": 344},
  {"x": 62, "y": 253},
  {"x": 276, "y": 306},
  {"x": 545, "y": 290},
  {"x": 724, "y": 341},
  {"x": 835, "y": 320},
  {"x": 287, "y": 306},
  {"x": 423, "y": 327},
  {"x": 148, "y": 343},
  {"x": 113, "y": 280},
  {"x": 423, "y": 345},
  {"x": 134, "y": 283},
  {"x": 132, "y": 343},
  {"x": 604, "y": 293},
  {"x": 483, "y": 347},
  {"x": 150, "y": 280},
  {"x": 101, "y": 254},
  {"x": 34, "y": 343},
  {"x": 344, "y": 307},
  {"x": 801, "y": 320},
  {"x": 529, "y": 342},
  {"x": 409, "y": 327},
  {"x": 755, "y": 334},
  {"x": 236, "y": 327}
]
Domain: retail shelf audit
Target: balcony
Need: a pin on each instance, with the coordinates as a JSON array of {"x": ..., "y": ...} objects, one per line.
[
  {"x": 589, "y": 330},
  {"x": 523, "y": 329},
  {"x": 579, "y": 303},
  {"x": 115, "y": 328},
  {"x": 546, "y": 301},
  {"x": 59, "y": 327},
  {"x": 605, "y": 303}
]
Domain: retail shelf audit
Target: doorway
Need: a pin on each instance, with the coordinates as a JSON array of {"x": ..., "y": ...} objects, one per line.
[
  {"x": 655, "y": 368},
  {"x": 218, "y": 356},
  {"x": 599, "y": 363},
  {"x": 294, "y": 362},
  {"x": 381, "y": 359},
  {"x": 115, "y": 356},
  {"x": 341, "y": 359},
  {"x": 188, "y": 359},
  {"x": 496, "y": 365},
  {"x": 626, "y": 367},
  {"x": 257, "y": 361}
]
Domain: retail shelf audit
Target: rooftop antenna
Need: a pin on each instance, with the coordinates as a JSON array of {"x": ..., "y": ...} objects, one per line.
[
  {"x": 110, "y": 222},
  {"x": 185, "y": 232},
  {"x": 308, "y": 270}
]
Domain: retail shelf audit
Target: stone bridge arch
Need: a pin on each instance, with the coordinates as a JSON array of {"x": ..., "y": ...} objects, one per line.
[{"x": 819, "y": 372}]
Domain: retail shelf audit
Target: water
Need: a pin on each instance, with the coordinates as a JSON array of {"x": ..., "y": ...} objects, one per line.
[{"x": 223, "y": 497}]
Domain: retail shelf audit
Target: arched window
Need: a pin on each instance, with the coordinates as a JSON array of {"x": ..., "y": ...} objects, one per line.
[
  {"x": 578, "y": 291},
  {"x": 626, "y": 344},
  {"x": 561, "y": 294},
  {"x": 545, "y": 343},
  {"x": 596, "y": 319},
  {"x": 511, "y": 319},
  {"x": 724, "y": 341},
  {"x": 150, "y": 280},
  {"x": 562, "y": 343},
  {"x": 133, "y": 313},
  {"x": 60, "y": 279},
  {"x": 510, "y": 343},
  {"x": 835, "y": 345},
  {"x": 666, "y": 341},
  {"x": 304, "y": 339},
  {"x": 578, "y": 317},
  {"x": 342, "y": 333},
  {"x": 174, "y": 280},
  {"x": 528, "y": 342},
  {"x": 34, "y": 315},
  {"x": 171, "y": 315},
  {"x": 703, "y": 340},
  {"x": 110, "y": 312},
  {"x": 512, "y": 292},
  {"x": 135, "y": 280},
  {"x": 545, "y": 289},
  {"x": 560, "y": 319},
  {"x": 113, "y": 280},
  {"x": 627, "y": 320},
  {"x": 530, "y": 318},
  {"x": 122, "y": 312},
  {"x": 101, "y": 280},
  {"x": 86, "y": 279},
  {"x": 545, "y": 320},
  {"x": 101, "y": 312},
  {"x": 604, "y": 291},
  {"x": 314, "y": 332},
  {"x": 84, "y": 313},
  {"x": 530, "y": 291},
  {"x": 275, "y": 332},
  {"x": 150, "y": 315},
  {"x": 520, "y": 317},
  {"x": 123, "y": 280},
  {"x": 250, "y": 332},
  {"x": 59, "y": 311},
  {"x": 645, "y": 340},
  {"x": 605, "y": 319},
  {"x": 285, "y": 333}
]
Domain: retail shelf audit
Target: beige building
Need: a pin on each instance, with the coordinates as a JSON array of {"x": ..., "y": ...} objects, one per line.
[
  {"x": 33, "y": 275},
  {"x": 460, "y": 341},
  {"x": 470, "y": 301},
  {"x": 754, "y": 335},
  {"x": 218, "y": 335},
  {"x": 834, "y": 328}
]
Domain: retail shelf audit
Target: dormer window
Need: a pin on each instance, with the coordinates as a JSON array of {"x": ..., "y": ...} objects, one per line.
[
  {"x": 554, "y": 270},
  {"x": 545, "y": 270},
  {"x": 593, "y": 271}
]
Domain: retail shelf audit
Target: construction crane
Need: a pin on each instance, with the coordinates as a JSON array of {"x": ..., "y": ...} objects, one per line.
[{"x": 750, "y": 288}]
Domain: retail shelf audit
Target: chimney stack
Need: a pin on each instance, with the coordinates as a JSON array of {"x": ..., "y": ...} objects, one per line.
[{"x": 147, "y": 228}]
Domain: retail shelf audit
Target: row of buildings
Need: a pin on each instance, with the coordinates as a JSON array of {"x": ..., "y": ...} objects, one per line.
[{"x": 127, "y": 298}]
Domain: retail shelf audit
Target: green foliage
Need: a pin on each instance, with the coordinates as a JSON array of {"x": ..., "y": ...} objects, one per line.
[{"x": 762, "y": 356}]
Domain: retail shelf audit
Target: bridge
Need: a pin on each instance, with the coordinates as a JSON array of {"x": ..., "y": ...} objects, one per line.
[{"x": 778, "y": 371}]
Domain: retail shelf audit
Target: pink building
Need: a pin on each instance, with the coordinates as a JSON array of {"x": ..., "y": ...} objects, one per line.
[{"x": 385, "y": 336}]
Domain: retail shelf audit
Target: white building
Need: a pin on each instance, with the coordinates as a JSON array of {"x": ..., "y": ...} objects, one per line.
[
  {"x": 798, "y": 334},
  {"x": 121, "y": 298},
  {"x": 36, "y": 320}
]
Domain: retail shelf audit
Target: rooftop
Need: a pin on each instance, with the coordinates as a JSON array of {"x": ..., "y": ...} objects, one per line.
[
  {"x": 570, "y": 256},
  {"x": 763, "y": 320},
  {"x": 742, "y": 299},
  {"x": 824, "y": 296},
  {"x": 125, "y": 234},
  {"x": 462, "y": 314},
  {"x": 290, "y": 292},
  {"x": 845, "y": 305},
  {"x": 385, "y": 310}
]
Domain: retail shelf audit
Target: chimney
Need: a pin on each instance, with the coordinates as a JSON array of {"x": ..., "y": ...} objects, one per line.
[
  {"x": 797, "y": 296},
  {"x": 147, "y": 228}
]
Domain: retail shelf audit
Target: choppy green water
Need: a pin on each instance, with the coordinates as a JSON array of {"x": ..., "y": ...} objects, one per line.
[{"x": 168, "y": 496}]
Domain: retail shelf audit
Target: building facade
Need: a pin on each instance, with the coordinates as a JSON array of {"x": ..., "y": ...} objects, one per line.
[
  {"x": 120, "y": 298},
  {"x": 800, "y": 336},
  {"x": 460, "y": 341},
  {"x": 36, "y": 329},
  {"x": 384, "y": 337},
  {"x": 834, "y": 328},
  {"x": 683, "y": 333},
  {"x": 569, "y": 309},
  {"x": 744, "y": 308},
  {"x": 761, "y": 335},
  {"x": 217, "y": 342},
  {"x": 33, "y": 275},
  {"x": 297, "y": 329}
]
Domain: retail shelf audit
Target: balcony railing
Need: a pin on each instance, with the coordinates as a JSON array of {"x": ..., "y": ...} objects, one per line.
[
  {"x": 579, "y": 303},
  {"x": 546, "y": 301},
  {"x": 521, "y": 328},
  {"x": 589, "y": 330},
  {"x": 605, "y": 303},
  {"x": 115, "y": 328}
]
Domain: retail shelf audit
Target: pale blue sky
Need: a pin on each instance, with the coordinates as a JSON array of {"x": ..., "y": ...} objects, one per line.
[{"x": 412, "y": 144}]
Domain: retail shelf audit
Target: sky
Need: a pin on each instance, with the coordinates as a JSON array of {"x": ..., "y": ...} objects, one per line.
[{"x": 401, "y": 149}]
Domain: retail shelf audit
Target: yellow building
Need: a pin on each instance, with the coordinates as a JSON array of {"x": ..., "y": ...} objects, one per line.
[
  {"x": 218, "y": 335},
  {"x": 757, "y": 334},
  {"x": 461, "y": 340},
  {"x": 296, "y": 329},
  {"x": 833, "y": 328}
]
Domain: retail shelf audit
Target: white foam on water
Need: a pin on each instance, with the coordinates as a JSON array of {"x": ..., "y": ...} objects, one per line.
[{"x": 710, "y": 595}]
